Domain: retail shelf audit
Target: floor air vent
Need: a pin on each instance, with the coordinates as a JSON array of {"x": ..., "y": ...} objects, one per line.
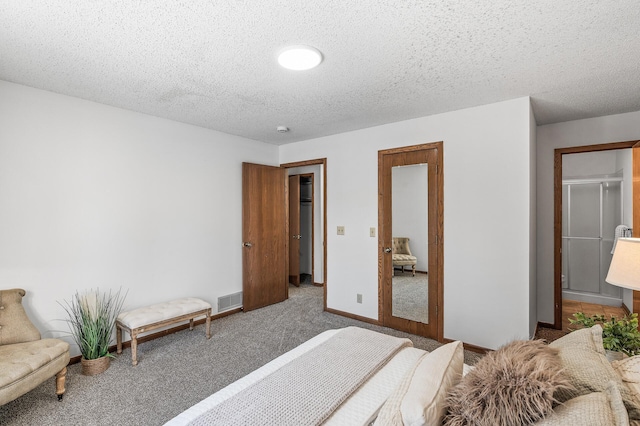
[{"x": 229, "y": 301}]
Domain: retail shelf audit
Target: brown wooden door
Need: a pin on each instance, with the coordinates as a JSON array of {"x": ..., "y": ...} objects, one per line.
[
  {"x": 294, "y": 230},
  {"x": 431, "y": 156},
  {"x": 264, "y": 236}
]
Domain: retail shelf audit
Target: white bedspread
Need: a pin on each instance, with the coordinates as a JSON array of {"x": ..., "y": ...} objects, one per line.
[
  {"x": 359, "y": 409},
  {"x": 308, "y": 389}
]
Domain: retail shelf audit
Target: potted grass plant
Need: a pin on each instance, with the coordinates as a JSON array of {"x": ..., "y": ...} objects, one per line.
[
  {"x": 92, "y": 316},
  {"x": 620, "y": 336}
]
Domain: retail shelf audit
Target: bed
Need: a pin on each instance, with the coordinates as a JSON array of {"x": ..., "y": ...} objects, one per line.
[
  {"x": 409, "y": 386},
  {"x": 360, "y": 407}
]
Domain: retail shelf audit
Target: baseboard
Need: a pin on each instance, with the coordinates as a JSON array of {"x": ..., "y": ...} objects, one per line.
[
  {"x": 148, "y": 337},
  {"x": 409, "y": 271},
  {"x": 469, "y": 347},
  {"x": 545, "y": 325},
  {"x": 352, "y": 316},
  {"x": 318, "y": 284}
]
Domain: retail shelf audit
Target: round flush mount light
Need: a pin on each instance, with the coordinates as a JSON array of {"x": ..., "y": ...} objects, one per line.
[
  {"x": 300, "y": 58},
  {"x": 282, "y": 129}
]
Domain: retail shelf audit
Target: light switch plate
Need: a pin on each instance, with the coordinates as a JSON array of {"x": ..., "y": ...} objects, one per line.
[
  {"x": 372, "y": 232},
  {"x": 359, "y": 298},
  {"x": 340, "y": 230}
]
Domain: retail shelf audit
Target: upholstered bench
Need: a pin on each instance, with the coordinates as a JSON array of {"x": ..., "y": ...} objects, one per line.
[{"x": 160, "y": 315}]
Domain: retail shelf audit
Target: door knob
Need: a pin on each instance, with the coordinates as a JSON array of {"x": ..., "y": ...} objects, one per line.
[
  {"x": 246, "y": 244},
  {"x": 387, "y": 250}
]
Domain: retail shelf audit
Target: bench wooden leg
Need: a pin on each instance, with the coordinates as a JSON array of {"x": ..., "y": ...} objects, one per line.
[
  {"x": 191, "y": 324},
  {"x": 208, "y": 324},
  {"x": 118, "y": 339},
  {"x": 134, "y": 347},
  {"x": 60, "y": 379}
]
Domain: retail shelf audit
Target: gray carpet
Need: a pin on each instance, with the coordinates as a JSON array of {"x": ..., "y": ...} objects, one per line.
[
  {"x": 179, "y": 370},
  {"x": 410, "y": 296}
]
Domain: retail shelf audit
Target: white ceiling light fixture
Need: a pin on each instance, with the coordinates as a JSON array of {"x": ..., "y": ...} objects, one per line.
[{"x": 299, "y": 58}]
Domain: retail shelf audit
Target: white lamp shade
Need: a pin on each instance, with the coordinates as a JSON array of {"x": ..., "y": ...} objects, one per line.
[{"x": 625, "y": 265}]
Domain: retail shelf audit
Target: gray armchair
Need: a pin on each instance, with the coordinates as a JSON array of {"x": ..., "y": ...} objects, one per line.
[
  {"x": 401, "y": 254},
  {"x": 26, "y": 360}
]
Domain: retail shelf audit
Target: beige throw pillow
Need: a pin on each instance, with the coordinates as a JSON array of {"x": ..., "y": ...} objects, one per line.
[
  {"x": 584, "y": 361},
  {"x": 629, "y": 371},
  {"x": 419, "y": 398},
  {"x": 593, "y": 409}
]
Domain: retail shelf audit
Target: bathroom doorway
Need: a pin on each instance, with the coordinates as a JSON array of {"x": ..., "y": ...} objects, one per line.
[{"x": 593, "y": 199}]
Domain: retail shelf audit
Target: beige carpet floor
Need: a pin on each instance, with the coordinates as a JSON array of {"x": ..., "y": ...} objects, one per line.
[
  {"x": 179, "y": 370},
  {"x": 410, "y": 296}
]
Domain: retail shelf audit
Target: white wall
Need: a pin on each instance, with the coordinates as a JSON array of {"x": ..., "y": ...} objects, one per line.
[
  {"x": 592, "y": 131},
  {"x": 95, "y": 196},
  {"x": 589, "y": 164},
  {"x": 533, "y": 280},
  {"x": 624, "y": 161},
  {"x": 487, "y": 216}
]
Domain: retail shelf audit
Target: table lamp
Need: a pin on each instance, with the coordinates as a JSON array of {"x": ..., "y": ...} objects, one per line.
[{"x": 624, "y": 270}]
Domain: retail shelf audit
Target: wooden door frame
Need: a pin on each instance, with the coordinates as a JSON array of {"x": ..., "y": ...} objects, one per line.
[
  {"x": 636, "y": 211},
  {"x": 557, "y": 216},
  {"x": 323, "y": 162},
  {"x": 383, "y": 223}
]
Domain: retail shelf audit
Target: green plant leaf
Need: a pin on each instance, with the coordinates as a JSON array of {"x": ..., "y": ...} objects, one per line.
[
  {"x": 618, "y": 334},
  {"x": 92, "y": 316}
]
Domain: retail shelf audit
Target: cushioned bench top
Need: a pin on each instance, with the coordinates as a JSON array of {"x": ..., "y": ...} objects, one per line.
[
  {"x": 161, "y": 311},
  {"x": 21, "y": 359},
  {"x": 404, "y": 257}
]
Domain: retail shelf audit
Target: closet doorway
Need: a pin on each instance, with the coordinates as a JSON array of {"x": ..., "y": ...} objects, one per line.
[
  {"x": 301, "y": 219},
  {"x": 265, "y": 230},
  {"x": 315, "y": 172}
]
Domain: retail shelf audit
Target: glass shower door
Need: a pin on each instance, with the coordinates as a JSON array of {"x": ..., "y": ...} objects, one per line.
[{"x": 591, "y": 211}]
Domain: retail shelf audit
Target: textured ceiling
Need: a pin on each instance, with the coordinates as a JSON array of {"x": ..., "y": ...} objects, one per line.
[{"x": 213, "y": 63}]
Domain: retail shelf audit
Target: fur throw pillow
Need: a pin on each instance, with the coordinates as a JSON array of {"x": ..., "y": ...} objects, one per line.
[{"x": 513, "y": 385}]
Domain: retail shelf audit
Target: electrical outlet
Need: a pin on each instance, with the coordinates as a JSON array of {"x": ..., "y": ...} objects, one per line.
[
  {"x": 359, "y": 298},
  {"x": 372, "y": 232},
  {"x": 340, "y": 230}
]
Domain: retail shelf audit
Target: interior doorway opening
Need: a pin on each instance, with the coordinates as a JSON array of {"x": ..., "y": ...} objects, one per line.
[
  {"x": 301, "y": 229},
  {"x": 311, "y": 176},
  {"x": 590, "y": 236}
]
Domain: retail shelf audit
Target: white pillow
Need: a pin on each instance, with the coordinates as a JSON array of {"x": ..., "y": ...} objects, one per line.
[
  {"x": 423, "y": 404},
  {"x": 420, "y": 398}
]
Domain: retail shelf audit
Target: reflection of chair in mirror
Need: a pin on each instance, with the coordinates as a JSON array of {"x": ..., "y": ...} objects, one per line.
[{"x": 402, "y": 254}]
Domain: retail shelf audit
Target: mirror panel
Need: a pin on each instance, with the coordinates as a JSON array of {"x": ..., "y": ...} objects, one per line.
[{"x": 410, "y": 237}]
